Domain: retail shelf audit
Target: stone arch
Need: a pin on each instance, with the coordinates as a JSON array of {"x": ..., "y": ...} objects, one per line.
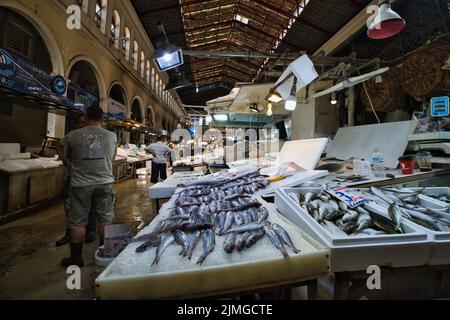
[
  {"x": 117, "y": 84},
  {"x": 150, "y": 115},
  {"x": 97, "y": 73},
  {"x": 44, "y": 31},
  {"x": 138, "y": 100}
]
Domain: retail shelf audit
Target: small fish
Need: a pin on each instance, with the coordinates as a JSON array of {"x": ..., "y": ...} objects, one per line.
[
  {"x": 193, "y": 239},
  {"x": 334, "y": 215},
  {"x": 284, "y": 237},
  {"x": 253, "y": 214},
  {"x": 165, "y": 242},
  {"x": 381, "y": 195},
  {"x": 308, "y": 197},
  {"x": 181, "y": 239},
  {"x": 229, "y": 219},
  {"x": 254, "y": 237},
  {"x": 209, "y": 242},
  {"x": 263, "y": 214},
  {"x": 395, "y": 214},
  {"x": 151, "y": 242},
  {"x": 275, "y": 241},
  {"x": 241, "y": 240},
  {"x": 238, "y": 219},
  {"x": 228, "y": 245},
  {"x": 246, "y": 217},
  {"x": 246, "y": 227}
]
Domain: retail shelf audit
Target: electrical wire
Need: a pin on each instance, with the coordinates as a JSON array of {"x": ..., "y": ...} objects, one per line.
[{"x": 371, "y": 105}]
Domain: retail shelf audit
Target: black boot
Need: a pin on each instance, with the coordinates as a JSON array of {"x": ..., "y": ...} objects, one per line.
[
  {"x": 76, "y": 256},
  {"x": 91, "y": 236},
  {"x": 64, "y": 240}
]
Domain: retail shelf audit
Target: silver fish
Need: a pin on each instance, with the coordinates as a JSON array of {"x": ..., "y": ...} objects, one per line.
[
  {"x": 209, "y": 242},
  {"x": 165, "y": 242},
  {"x": 254, "y": 237},
  {"x": 350, "y": 215},
  {"x": 246, "y": 227},
  {"x": 153, "y": 241},
  {"x": 193, "y": 239},
  {"x": 181, "y": 239},
  {"x": 263, "y": 214},
  {"x": 284, "y": 237},
  {"x": 395, "y": 214},
  {"x": 381, "y": 195},
  {"x": 238, "y": 219},
  {"x": 275, "y": 241},
  {"x": 253, "y": 214},
  {"x": 241, "y": 239},
  {"x": 228, "y": 245},
  {"x": 229, "y": 219}
]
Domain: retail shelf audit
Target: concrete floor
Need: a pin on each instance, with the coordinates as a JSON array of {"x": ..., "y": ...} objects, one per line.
[{"x": 30, "y": 263}]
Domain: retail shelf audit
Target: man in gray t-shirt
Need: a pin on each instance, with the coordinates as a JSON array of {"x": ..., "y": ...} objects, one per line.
[
  {"x": 91, "y": 151},
  {"x": 159, "y": 150}
]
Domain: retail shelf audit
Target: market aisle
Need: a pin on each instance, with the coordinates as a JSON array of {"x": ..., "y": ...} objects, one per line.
[{"x": 29, "y": 260}]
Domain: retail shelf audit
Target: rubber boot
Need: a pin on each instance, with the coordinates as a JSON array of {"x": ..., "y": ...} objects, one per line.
[{"x": 76, "y": 256}]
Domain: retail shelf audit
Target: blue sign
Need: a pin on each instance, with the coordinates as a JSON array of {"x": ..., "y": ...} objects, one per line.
[
  {"x": 19, "y": 74},
  {"x": 440, "y": 107},
  {"x": 59, "y": 85}
]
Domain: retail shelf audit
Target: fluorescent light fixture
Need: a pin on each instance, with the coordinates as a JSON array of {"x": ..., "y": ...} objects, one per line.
[
  {"x": 387, "y": 23},
  {"x": 274, "y": 97},
  {"x": 240, "y": 18},
  {"x": 333, "y": 98},
  {"x": 291, "y": 103},
  {"x": 220, "y": 117},
  {"x": 168, "y": 57}
]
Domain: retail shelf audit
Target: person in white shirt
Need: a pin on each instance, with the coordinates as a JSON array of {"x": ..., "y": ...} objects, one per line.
[{"x": 159, "y": 150}]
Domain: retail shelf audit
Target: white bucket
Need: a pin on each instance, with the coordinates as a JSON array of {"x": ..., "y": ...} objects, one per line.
[
  {"x": 117, "y": 237},
  {"x": 101, "y": 262}
]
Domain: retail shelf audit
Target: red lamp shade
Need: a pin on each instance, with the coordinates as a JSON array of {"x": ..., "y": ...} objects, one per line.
[{"x": 386, "y": 24}]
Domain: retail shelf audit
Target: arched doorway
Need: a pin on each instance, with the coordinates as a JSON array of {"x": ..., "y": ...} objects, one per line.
[
  {"x": 118, "y": 93},
  {"x": 83, "y": 75},
  {"x": 150, "y": 116},
  {"x": 136, "y": 113}
]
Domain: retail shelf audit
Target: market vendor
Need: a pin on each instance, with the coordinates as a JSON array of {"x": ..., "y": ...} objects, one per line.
[
  {"x": 91, "y": 151},
  {"x": 91, "y": 229},
  {"x": 159, "y": 150}
]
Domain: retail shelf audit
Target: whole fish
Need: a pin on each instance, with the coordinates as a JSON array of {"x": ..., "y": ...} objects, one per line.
[
  {"x": 349, "y": 227},
  {"x": 246, "y": 227},
  {"x": 229, "y": 219},
  {"x": 334, "y": 215},
  {"x": 381, "y": 195},
  {"x": 229, "y": 243},
  {"x": 315, "y": 214},
  {"x": 363, "y": 221},
  {"x": 153, "y": 241},
  {"x": 275, "y": 240},
  {"x": 241, "y": 240},
  {"x": 395, "y": 214},
  {"x": 165, "y": 242},
  {"x": 350, "y": 215},
  {"x": 245, "y": 206},
  {"x": 284, "y": 237},
  {"x": 193, "y": 239},
  {"x": 237, "y": 197},
  {"x": 322, "y": 210},
  {"x": 181, "y": 239},
  {"x": 191, "y": 227},
  {"x": 221, "y": 220},
  {"x": 209, "y": 242},
  {"x": 253, "y": 214},
  {"x": 263, "y": 214},
  {"x": 238, "y": 219},
  {"x": 253, "y": 238}
]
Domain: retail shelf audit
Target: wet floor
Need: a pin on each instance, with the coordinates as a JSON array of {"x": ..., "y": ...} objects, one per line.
[{"x": 30, "y": 262}]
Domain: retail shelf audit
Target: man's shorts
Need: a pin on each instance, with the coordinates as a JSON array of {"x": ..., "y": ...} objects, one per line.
[{"x": 81, "y": 200}]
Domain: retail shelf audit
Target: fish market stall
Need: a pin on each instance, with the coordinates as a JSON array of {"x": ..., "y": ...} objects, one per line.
[
  {"x": 403, "y": 231},
  {"x": 233, "y": 255}
]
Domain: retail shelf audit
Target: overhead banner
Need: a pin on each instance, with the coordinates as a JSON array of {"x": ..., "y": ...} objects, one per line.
[
  {"x": 21, "y": 75},
  {"x": 116, "y": 110}
]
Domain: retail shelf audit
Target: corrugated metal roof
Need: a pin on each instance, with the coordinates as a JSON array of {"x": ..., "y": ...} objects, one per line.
[{"x": 241, "y": 25}]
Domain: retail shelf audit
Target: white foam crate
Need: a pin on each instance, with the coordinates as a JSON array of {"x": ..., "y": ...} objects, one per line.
[
  {"x": 359, "y": 252},
  {"x": 440, "y": 252}
]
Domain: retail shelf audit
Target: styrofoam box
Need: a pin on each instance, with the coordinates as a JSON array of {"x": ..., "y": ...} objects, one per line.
[
  {"x": 440, "y": 252},
  {"x": 358, "y": 252}
]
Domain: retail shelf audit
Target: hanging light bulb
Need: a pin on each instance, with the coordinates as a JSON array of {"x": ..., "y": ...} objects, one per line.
[
  {"x": 387, "y": 22},
  {"x": 334, "y": 98},
  {"x": 291, "y": 102},
  {"x": 269, "y": 109}
]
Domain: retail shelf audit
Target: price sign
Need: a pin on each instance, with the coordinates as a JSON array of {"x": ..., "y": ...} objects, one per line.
[
  {"x": 352, "y": 198},
  {"x": 440, "y": 107}
]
